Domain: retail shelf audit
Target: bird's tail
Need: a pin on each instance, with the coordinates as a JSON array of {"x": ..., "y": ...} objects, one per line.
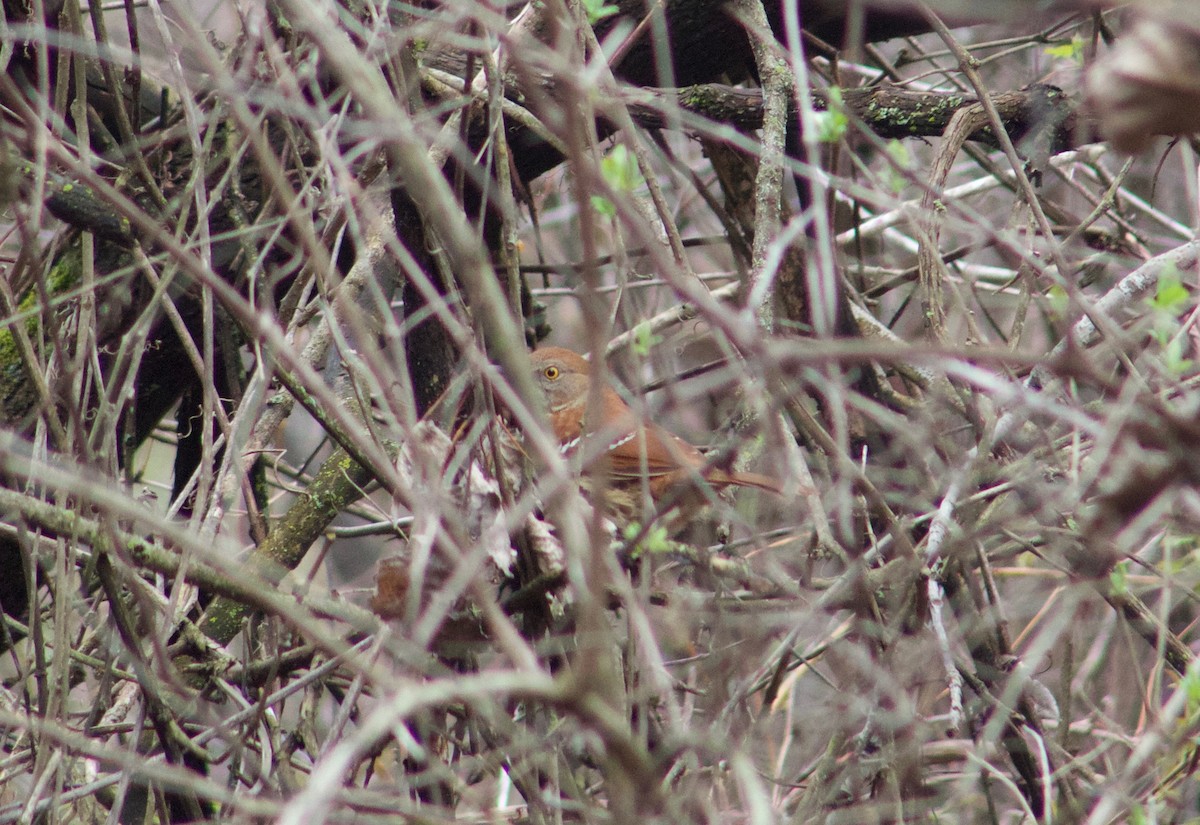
[{"x": 757, "y": 480}]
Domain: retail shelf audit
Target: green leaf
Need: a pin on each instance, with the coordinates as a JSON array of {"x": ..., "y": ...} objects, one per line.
[
  {"x": 1171, "y": 294},
  {"x": 1058, "y": 300},
  {"x": 1173, "y": 358},
  {"x": 597, "y": 10},
  {"x": 656, "y": 540},
  {"x": 1119, "y": 579},
  {"x": 832, "y": 123},
  {"x": 1191, "y": 686},
  {"x": 1072, "y": 50},
  {"x": 619, "y": 169},
  {"x": 604, "y": 206},
  {"x": 1171, "y": 297},
  {"x": 644, "y": 339},
  {"x": 903, "y": 159}
]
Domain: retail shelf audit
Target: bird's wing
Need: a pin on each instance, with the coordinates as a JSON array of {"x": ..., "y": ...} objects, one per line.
[{"x": 650, "y": 449}]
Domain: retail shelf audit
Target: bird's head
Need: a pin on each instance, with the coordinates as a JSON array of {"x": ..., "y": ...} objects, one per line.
[{"x": 562, "y": 376}]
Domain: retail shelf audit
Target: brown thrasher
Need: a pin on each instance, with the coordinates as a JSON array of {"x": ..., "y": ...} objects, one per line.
[{"x": 674, "y": 470}]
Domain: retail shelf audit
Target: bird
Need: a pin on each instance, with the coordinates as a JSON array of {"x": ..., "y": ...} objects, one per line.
[{"x": 632, "y": 449}]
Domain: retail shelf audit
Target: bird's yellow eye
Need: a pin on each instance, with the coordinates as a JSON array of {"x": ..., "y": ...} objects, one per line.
[{"x": 551, "y": 373}]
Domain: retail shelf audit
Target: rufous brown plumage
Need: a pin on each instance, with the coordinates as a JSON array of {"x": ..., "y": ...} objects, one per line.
[{"x": 635, "y": 448}]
